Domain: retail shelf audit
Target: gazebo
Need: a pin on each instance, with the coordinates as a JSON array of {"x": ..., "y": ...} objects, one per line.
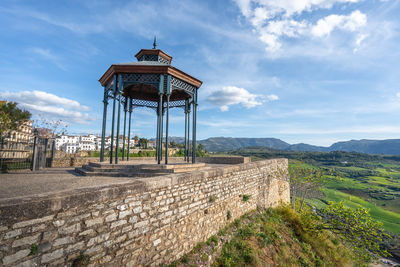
[{"x": 151, "y": 82}]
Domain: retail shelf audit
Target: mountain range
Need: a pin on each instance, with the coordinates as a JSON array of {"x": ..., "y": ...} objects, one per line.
[{"x": 225, "y": 144}]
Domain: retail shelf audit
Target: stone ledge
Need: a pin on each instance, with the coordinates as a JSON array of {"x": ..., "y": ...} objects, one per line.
[{"x": 11, "y": 210}]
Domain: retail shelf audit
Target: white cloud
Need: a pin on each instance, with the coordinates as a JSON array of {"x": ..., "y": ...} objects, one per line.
[
  {"x": 288, "y": 8},
  {"x": 49, "y": 105},
  {"x": 398, "y": 95},
  {"x": 350, "y": 23},
  {"x": 275, "y": 21},
  {"x": 232, "y": 95},
  {"x": 272, "y": 97}
]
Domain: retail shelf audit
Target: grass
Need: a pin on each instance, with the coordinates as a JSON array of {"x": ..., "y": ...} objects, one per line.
[{"x": 280, "y": 237}]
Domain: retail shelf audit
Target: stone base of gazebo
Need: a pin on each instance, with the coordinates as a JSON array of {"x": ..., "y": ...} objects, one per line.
[{"x": 127, "y": 169}]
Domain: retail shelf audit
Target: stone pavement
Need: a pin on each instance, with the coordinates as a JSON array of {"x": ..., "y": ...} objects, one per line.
[{"x": 23, "y": 184}]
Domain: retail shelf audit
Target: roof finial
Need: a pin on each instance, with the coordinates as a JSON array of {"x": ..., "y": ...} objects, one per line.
[{"x": 155, "y": 43}]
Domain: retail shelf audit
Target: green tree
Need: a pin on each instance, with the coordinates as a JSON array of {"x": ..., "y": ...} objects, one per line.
[
  {"x": 11, "y": 117},
  {"x": 143, "y": 143},
  {"x": 303, "y": 181},
  {"x": 356, "y": 228}
]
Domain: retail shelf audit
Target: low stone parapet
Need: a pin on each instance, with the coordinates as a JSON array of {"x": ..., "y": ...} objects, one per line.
[{"x": 148, "y": 221}]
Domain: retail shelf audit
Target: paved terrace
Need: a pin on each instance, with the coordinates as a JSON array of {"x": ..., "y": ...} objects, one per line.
[
  {"x": 24, "y": 184},
  {"x": 29, "y": 184}
]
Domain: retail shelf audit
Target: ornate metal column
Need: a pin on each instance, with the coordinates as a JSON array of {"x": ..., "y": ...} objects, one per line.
[
  {"x": 194, "y": 127},
  {"x": 103, "y": 129},
  {"x": 160, "y": 111},
  {"x": 120, "y": 88},
  {"x": 129, "y": 127},
  {"x": 158, "y": 130},
  {"x": 188, "y": 140},
  {"x": 186, "y": 123},
  {"x": 167, "y": 120},
  {"x": 123, "y": 140},
  {"x": 113, "y": 118},
  {"x": 161, "y": 131}
]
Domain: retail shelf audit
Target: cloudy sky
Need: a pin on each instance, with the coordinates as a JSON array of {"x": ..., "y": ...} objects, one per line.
[{"x": 313, "y": 71}]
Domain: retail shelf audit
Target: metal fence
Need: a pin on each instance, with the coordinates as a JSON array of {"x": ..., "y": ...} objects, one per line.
[{"x": 34, "y": 155}]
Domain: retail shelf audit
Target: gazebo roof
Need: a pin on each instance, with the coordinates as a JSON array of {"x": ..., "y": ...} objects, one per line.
[{"x": 150, "y": 61}]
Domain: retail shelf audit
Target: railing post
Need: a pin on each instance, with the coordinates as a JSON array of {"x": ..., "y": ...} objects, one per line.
[
  {"x": 53, "y": 152},
  {"x": 34, "y": 156},
  {"x": 44, "y": 158}
]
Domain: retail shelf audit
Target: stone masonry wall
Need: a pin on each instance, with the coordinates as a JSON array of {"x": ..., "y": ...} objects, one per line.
[
  {"x": 79, "y": 161},
  {"x": 146, "y": 222}
]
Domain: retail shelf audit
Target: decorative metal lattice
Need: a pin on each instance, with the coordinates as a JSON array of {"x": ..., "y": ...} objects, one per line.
[
  {"x": 163, "y": 60},
  {"x": 109, "y": 85},
  {"x": 110, "y": 93},
  {"x": 141, "y": 78},
  {"x": 178, "y": 84},
  {"x": 149, "y": 58},
  {"x": 175, "y": 104}
]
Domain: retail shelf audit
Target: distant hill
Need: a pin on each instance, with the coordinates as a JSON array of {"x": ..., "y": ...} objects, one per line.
[
  {"x": 388, "y": 147},
  {"x": 224, "y": 144}
]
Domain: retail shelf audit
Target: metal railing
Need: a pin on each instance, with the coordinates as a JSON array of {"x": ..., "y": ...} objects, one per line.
[{"x": 33, "y": 155}]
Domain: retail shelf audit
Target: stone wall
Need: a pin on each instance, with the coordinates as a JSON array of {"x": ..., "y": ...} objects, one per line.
[
  {"x": 146, "y": 222},
  {"x": 224, "y": 160},
  {"x": 79, "y": 161}
]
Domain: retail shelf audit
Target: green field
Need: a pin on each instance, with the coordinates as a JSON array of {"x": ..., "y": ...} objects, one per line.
[
  {"x": 361, "y": 180},
  {"x": 379, "y": 193}
]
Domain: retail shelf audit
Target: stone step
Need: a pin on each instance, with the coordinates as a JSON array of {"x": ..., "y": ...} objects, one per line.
[
  {"x": 84, "y": 172},
  {"x": 135, "y": 169},
  {"x": 106, "y": 165},
  {"x": 139, "y": 170}
]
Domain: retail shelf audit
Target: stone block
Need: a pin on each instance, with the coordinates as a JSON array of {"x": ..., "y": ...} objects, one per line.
[
  {"x": 63, "y": 241},
  {"x": 12, "y": 234},
  {"x": 111, "y": 217},
  {"x": 92, "y": 222},
  {"x": 70, "y": 229},
  {"x": 98, "y": 239},
  {"x": 122, "y": 207},
  {"x": 29, "y": 263},
  {"x": 86, "y": 232},
  {"x": 32, "y": 222},
  {"x": 75, "y": 247},
  {"x": 16, "y": 256},
  {"x": 44, "y": 247},
  {"x": 53, "y": 255},
  {"x": 93, "y": 250},
  {"x": 38, "y": 227},
  {"x": 133, "y": 219},
  {"x": 29, "y": 240},
  {"x": 123, "y": 214},
  {"x": 141, "y": 224},
  {"x": 137, "y": 210},
  {"x": 118, "y": 223}
]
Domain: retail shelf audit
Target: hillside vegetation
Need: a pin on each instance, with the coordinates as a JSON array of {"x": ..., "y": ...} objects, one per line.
[
  {"x": 275, "y": 237},
  {"x": 359, "y": 180}
]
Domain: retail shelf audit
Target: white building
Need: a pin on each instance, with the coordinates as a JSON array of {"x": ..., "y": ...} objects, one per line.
[
  {"x": 87, "y": 146},
  {"x": 70, "y": 148},
  {"x": 66, "y": 139},
  {"x": 91, "y": 142}
]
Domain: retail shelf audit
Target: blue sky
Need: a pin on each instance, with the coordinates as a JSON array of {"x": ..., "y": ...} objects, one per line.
[{"x": 313, "y": 71}]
